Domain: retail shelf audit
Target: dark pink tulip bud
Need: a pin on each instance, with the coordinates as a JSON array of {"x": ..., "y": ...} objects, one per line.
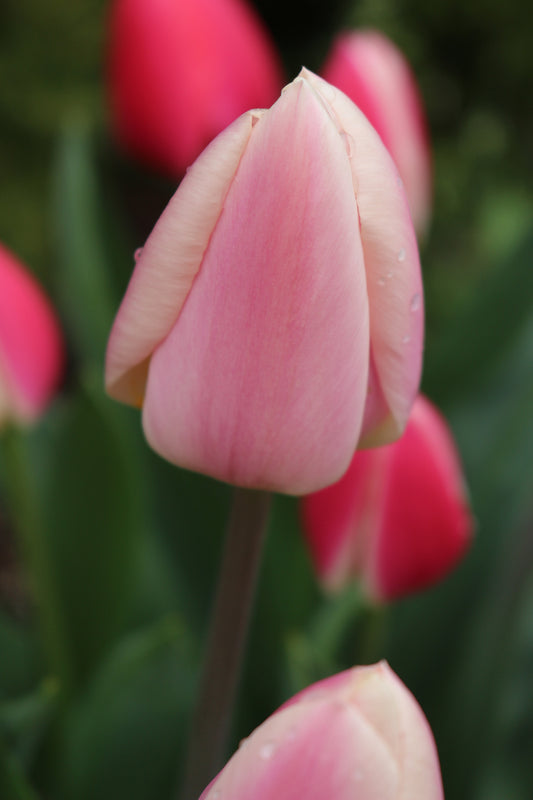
[
  {"x": 274, "y": 316},
  {"x": 371, "y": 70},
  {"x": 399, "y": 518},
  {"x": 31, "y": 347},
  {"x": 181, "y": 70},
  {"x": 359, "y": 735}
]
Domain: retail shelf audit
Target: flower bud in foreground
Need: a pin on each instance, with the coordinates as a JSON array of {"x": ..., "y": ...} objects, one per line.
[
  {"x": 359, "y": 735},
  {"x": 31, "y": 347},
  {"x": 181, "y": 70},
  {"x": 274, "y": 315},
  {"x": 399, "y": 518},
  {"x": 371, "y": 70}
]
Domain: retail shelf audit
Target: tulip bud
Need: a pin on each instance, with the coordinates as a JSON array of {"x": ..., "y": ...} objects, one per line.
[
  {"x": 181, "y": 70},
  {"x": 371, "y": 70},
  {"x": 399, "y": 517},
  {"x": 274, "y": 315},
  {"x": 359, "y": 735},
  {"x": 31, "y": 347}
]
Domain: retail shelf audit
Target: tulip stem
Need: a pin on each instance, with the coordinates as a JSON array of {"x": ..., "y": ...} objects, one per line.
[{"x": 227, "y": 636}]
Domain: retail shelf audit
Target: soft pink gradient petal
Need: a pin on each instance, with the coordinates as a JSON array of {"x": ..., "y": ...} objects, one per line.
[
  {"x": 169, "y": 261},
  {"x": 262, "y": 380},
  {"x": 359, "y": 735},
  {"x": 394, "y": 281},
  {"x": 373, "y": 73},
  {"x": 426, "y": 524},
  {"x": 31, "y": 345},
  {"x": 182, "y": 70}
]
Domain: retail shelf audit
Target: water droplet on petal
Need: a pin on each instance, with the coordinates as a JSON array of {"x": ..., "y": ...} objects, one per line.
[
  {"x": 416, "y": 302},
  {"x": 348, "y": 143},
  {"x": 215, "y": 794},
  {"x": 381, "y": 281},
  {"x": 401, "y": 254},
  {"x": 137, "y": 254},
  {"x": 406, "y": 339},
  {"x": 390, "y": 273},
  {"x": 267, "y": 751}
]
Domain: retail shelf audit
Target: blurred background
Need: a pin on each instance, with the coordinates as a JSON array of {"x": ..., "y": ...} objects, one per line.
[{"x": 99, "y": 649}]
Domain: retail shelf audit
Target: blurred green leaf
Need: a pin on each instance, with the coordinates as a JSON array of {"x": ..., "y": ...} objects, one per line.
[
  {"x": 23, "y": 721},
  {"x": 13, "y": 783},
  {"x": 20, "y": 661},
  {"x": 124, "y": 736}
]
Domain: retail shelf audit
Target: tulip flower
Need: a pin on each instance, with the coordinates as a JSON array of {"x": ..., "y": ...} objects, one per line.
[
  {"x": 359, "y": 735},
  {"x": 180, "y": 71},
  {"x": 31, "y": 347},
  {"x": 371, "y": 70},
  {"x": 274, "y": 317},
  {"x": 399, "y": 518}
]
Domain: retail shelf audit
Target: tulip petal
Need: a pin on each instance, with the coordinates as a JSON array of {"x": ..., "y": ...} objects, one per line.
[
  {"x": 392, "y": 265},
  {"x": 169, "y": 262},
  {"x": 262, "y": 380},
  {"x": 31, "y": 348},
  {"x": 426, "y": 524},
  {"x": 373, "y": 73}
]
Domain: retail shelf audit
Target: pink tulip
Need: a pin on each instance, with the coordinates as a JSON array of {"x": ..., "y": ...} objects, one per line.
[
  {"x": 371, "y": 70},
  {"x": 280, "y": 288},
  {"x": 359, "y": 735},
  {"x": 181, "y": 70},
  {"x": 31, "y": 347},
  {"x": 399, "y": 518}
]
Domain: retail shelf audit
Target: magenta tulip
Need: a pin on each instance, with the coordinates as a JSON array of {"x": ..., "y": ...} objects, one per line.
[
  {"x": 399, "y": 518},
  {"x": 31, "y": 347},
  {"x": 371, "y": 70},
  {"x": 359, "y": 735},
  {"x": 181, "y": 70},
  {"x": 274, "y": 316}
]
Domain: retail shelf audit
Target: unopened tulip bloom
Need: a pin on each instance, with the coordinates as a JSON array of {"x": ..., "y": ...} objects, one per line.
[
  {"x": 31, "y": 347},
  {"x": 399, "y": 518},
  {"x": 274, "y": 316},
  {"x": 359, "y": 735},
  {"x": 371, "y": 70},
  {"x": 181, "y": 70}
]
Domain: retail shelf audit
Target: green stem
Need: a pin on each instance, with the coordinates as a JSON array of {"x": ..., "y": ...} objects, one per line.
[
  {"x": 22, "y": 499},
  {"x": 225, "y": 647}
]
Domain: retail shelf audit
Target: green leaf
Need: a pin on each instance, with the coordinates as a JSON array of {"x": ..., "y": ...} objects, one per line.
[{"x": 125, "y": 736}]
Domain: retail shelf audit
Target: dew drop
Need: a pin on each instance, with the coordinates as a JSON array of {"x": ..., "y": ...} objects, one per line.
[
  {"x": 137, "y": 254},
  {"x": 416, "y": 302},
  {"x": 390, "y": 273},
  {"x": 381, "y": 281},
  {"x": 215, "y": 794},
  {"x": 267, "y": 751},
  {"x": 348, "y": 143},
  {"x": 406, "y": 339},
  {"x": 401, "y": 254}
]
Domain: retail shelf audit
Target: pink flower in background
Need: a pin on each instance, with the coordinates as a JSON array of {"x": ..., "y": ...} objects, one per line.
[
  {"x": 181, "y": 70},
  {"x": 275, "y": 315},
  {"x": 31, "y": 347},
  {"x": 371, "y": 70},
  {"x": 399, "y": 518},
  {"x": 359, "y": 735}
]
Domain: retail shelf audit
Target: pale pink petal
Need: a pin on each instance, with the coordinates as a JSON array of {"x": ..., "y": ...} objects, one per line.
[
  {"x": 262, "y": 380},
  {"x": 359, "y": 735},
  {"x": 373, "y": 73},
  {"x": 169, "y": 262},
  {"x": 394, "y": 282},
  {"x": 31, "y": 346}
]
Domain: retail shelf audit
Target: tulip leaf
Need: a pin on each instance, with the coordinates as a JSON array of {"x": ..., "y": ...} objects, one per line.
[
  {"x": 23, "y": 721},
  {"x": 13, "y": 784},
  {"x": 125, "y": 735},
  {"x": 86, "y": 243}
]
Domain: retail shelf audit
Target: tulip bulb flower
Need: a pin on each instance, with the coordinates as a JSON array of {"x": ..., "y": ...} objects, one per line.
[
  {"x": 399, "y": 518},
  {"x": 31, "y": 347},
  {"x": 359, "y": 735},
  {"x": 371, "y": 70},
  {"x": 274, "y": 318},
  {"x": 181, "y": 70}
]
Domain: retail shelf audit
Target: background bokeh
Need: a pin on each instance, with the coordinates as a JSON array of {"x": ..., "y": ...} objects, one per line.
[{"x": 99, "y": 650}]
